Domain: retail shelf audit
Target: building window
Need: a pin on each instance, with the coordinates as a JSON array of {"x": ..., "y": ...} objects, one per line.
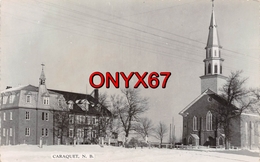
[
  {"x": 252, "y": 133},
  {"x": 5, "y": 99},
  {"x": 216, "y": 69},
  {"x": 71, "y": 133},
  {"x": 209, "y": 121},
  {"x": 71, "y": 119},
  {"x": 209, "y": 68},
  {"x": 219, "y": 53},
  {"x": 78, "y": 132},
  {"x": 59, "y": 103},
  {"x": 94, "y": 134},
  {"x": 11, "y": 99},
  {"x": 246, "y": 132},
  {"x": 27, "y": 131},
  {"x": 4, "y": 116},
  {"x": 28, "y": 98},
  {"x": 4, "y": 132},
  {"x": 42, "y": 115},
  {"x": 47, "y": 116},
  {"x": 220, "y": 69},
  {"x": 195, "y": 123},
  {"x": 27, "y": 115},
  {"x": 46, "y": 100},
  {"x": 11, "y": 132},
  {"x": 11, "y": 115},
  {"x": 86, "y": 120},
  {"x": 94, "y": 121},
  {"x": 42, "y": 131},
  {"x": 46, "y": 132}
]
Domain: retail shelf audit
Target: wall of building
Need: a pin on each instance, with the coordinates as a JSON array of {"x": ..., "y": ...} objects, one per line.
[{"x": 250, "y": 137}]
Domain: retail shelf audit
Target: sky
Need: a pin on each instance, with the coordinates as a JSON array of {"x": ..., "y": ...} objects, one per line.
[{"x": 76, "y": 38}]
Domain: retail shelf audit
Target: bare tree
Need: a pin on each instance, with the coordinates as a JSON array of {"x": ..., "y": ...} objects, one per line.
[
  {"x": 61, "y": 124},
  {"x": 143, "y": 127},
  {"x": 160, "y": 131},
  {"x": 128, "y": 107},
  {"x": 235, "y": 100}
]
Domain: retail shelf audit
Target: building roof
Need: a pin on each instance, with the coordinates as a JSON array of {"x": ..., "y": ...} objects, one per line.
[
  {"x": 206, "y": 92},
  {"x": 75, "y": 97},
  {"x": 28, "y": 87}
]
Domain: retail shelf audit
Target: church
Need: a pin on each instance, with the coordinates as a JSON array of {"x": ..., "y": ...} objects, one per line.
[
  {"x": 199, "y": 125},
  {"x": 31, "y": 114}
]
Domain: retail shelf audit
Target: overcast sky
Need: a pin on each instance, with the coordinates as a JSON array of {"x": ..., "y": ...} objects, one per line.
[{"x": 75, "y": 38}]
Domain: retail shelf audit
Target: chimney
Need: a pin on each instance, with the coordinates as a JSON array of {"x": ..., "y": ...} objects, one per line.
[
  {"x": 8, "y": 87},
  {"x": 96, "y": 94}
]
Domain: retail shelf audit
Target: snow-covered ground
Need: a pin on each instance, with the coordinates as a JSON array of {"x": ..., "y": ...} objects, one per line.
[{"x": 31, "y": 153}]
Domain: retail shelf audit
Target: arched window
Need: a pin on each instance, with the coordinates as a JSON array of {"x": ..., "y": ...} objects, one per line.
[
  {"x": 209, "y": 68},
  {"x": 195, "y": 123},
  {"x": 216, "y": 69},
  {"x": 221, "y": 141},
  {"x": 209, "y": 121},
  {"x": 190, "y": 141}
]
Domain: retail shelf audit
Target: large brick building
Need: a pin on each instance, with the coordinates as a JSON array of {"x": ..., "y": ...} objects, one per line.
[
  {"x": 28, "y": 114},
  {"x": 200, "y": 126}
]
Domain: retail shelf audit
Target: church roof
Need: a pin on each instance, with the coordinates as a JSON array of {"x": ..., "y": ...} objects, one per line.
[{"x": 210, "y": 93}]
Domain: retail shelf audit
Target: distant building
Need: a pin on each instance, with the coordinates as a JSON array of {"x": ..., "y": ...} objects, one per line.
[
  {"x": 29, "y": 113},
  {"x": 199, "y": 123}
]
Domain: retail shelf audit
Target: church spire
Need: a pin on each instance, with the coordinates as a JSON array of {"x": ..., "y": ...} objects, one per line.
[
  {"x": 213, "y": 40},
  {"x": 42, "y": 77},
  {"x": 212, "y": 77}
]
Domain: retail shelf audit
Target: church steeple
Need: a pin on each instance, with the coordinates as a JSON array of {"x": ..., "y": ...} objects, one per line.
[
  {"x": 42, "y": 77},
  {"x": 212, "y": 77},
  {"x": 213, "y": 61}
]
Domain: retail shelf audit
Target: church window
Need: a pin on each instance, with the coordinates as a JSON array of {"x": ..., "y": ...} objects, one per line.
[
  {"x": 216, "y": 69},
  {"x": 195, "y": 124},
  {"x": 246, "y": 136},
  {"x": 209, "y": 121},
  {"x": 209, "y": 68},
  {"x": 252, "y": 133}
]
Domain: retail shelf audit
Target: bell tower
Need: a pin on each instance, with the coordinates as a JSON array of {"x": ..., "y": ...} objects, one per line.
[{"x": 213, "y": 78}]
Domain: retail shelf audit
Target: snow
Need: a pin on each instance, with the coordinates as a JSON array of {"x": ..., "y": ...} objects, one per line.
[{"x": 32, "y": 153}]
